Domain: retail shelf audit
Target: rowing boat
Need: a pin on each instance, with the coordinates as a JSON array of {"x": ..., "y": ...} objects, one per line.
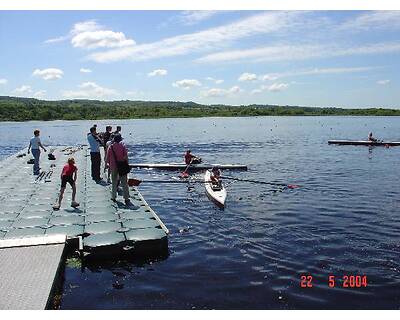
[
  {"x": 218, "y": 195},
  {"x": 364, "y": 143},
  {"x": 182, "y": 166}
]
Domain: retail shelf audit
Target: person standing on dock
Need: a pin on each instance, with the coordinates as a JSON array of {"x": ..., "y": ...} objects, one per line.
[
  {"x": 117, "y": 131},
  {"x": 107, "y": 140},
  {"x": 95, "y": 156},
  {"x": 68, "y": 174},
  {"x": 35, "y": 144},
  {"x": 117, "y": 153}
]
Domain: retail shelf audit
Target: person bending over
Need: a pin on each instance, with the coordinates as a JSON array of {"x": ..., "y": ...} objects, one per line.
[{"x": 68, "y": 174}]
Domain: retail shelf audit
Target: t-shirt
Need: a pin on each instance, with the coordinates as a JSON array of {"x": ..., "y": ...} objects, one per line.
[
  {"x": 120, "y": 152},
  {"x": 93, "y": 143},
  {"x": 188, "y": 158},
  {"x": 68, "y": 170},
  {"x": 106, "y": 137},
  {"x": 35, "y": 142}
]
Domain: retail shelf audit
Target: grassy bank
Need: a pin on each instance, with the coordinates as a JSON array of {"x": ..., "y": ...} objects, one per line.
[{"x": 25, "y": 109}]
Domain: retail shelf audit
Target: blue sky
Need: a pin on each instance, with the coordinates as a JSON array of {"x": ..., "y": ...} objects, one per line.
[{"x": 313, "y": 58}]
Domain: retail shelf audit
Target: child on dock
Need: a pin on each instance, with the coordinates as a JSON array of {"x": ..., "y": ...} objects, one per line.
[{"x": 68, "y": 174}]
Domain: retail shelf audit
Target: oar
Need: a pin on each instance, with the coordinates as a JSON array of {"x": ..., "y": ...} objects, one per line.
[
  {"x": 135, "y": 182},
  {"x": 184, "y": 174},
  {"x": 290, "y": 186}
]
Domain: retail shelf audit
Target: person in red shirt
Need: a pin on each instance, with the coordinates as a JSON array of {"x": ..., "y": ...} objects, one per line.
[
  {"x": 68, "y": 174},
  {"x": 190, "y": 158}
]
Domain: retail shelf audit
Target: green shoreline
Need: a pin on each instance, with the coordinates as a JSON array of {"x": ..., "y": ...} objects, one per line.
[{"x": 26, "y": 109}]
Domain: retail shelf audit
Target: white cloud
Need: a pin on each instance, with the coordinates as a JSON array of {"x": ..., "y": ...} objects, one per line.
[
  {"x": 298, "y": 52},
  {"x": 193, "y": 17},
  {"x": 3, "y": 81},
  {"x": 247, "y": 77},
  {"x": 23, "y": 90},
  {"x": 216, "y": 81},
  {"x": 86, "y": 26},
  {"x": 269, "y": 77},
  {"x": 89, "y": 90},
  {"x": 39, "y": 94},
  {"x": 58, "y": 39},
  {"x": 101, "y": 39},
  {"x": 137, "y": 93},
  {"x": 373, "y": 20},
  {"x": 263, "y": 23},
  {"x": 256, "y": 91},
  {"x": 84, "y": 70},
  {"x": 276, "y": 87},
  {"x": 48, "y": 74},
  {"x": 91, "y": 35},
  {"x": 187, "y": 84},
  {"x": 315, "y": 71},
  {"x": 383, "y": 82},
  {"x": 157, "y": 72},
  {"x": 218, "y": 92}
]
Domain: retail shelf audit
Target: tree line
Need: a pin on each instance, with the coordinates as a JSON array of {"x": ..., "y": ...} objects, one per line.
[{"x": 25, "y": 109}]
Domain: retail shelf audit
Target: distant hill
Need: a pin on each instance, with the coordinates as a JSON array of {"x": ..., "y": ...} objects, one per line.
[{"x": 24, "y": 109}]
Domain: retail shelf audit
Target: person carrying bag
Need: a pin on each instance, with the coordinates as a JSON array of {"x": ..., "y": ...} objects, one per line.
[{"x": 117, "y": 160}]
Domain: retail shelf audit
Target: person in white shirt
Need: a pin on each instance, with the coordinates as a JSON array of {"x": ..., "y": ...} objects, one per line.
[
  {"x": 94, "y": 144},
  {"x": 35, "y": 145}
]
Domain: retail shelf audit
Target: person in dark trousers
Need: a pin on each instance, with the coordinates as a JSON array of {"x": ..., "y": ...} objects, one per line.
[
  {"x": 107, "y": 138},
  {"x": 35, "y": 145},
  {"x": 117, "y": 151},
  {"x": 68, "y": 174},
  {"x": 94, "y": 143}
]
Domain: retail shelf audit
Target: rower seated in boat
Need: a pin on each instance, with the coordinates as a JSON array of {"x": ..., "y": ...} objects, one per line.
[
  {"x": 215, "y": 178},
  {"x": 371, "y": 138},
  {"x": 191, "y": 159}
]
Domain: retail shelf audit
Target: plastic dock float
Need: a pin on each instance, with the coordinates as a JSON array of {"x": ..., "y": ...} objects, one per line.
[
  {"x": 28, "y": 271},
  {"x": 183, "y": 166},
  {"x": 108, "y": 229}
]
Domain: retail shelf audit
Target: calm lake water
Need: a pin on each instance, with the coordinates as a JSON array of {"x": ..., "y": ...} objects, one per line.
[{"x": 344, "y": 220}]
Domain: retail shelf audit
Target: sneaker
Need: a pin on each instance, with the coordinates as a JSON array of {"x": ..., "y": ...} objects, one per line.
[
  {"x": 128, "y": 202},
  {"x": 74, "y": 204},
  {"x": 56, "y": 207}
]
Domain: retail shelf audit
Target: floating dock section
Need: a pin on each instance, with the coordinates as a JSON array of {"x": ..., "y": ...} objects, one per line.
[
  {"x": 29, "y": 268},
  {"x": 99, "y": 227},
  {"x": 183, "y": 166},
  {"x": 107, "y": 228}
]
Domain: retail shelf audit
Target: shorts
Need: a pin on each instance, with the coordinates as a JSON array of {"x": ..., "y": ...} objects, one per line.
[{"x": 65, "y": 179}]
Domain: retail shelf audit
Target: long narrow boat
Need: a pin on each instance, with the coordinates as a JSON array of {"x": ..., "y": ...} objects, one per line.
[
  {"x": 218, "y": 196},
  {"x": 182, "y": 166},
  {"x": 364, "y": 143}
]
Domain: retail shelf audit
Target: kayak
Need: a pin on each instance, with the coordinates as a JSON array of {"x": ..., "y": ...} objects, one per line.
[
  {"x": 218, "y": 195},
  {"x": 364, "y": 143},
  {"x": 182, "y": 166}
]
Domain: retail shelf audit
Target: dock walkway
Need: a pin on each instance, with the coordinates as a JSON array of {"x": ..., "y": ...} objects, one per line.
[
  {"x": 105, "y": 226},
  {"x": 28, "y": 271},
  {"x": 99, "y": 227}
]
